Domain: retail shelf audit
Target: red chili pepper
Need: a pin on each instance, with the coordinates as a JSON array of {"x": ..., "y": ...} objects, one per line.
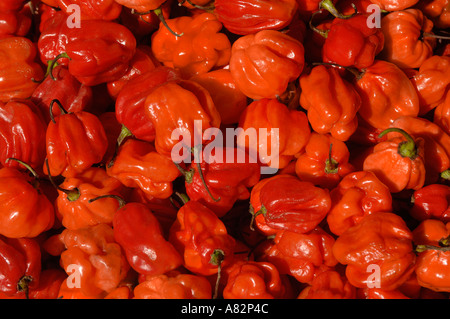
[
  {"x": 20, "y": 265},
  {"x": 139, "y": 234},
  {"x": 284, "y": 202},
  {"x": 50, "y": 281},
  {"x": 74, "y": 95},
  {"x": 97, "y": 52},
  {"x": 22, "y": 132},
  {"x": 246, "y": 17},
  {"x": 14, "y": 23},
  {"x": 202, "y": 239},
  {"x": 328, "y": 284},
  {"x": 351, "y": 42},
  {"x": 75, "y": 141},
  {"x": 431, "y": 201},
  {"x": 130, "y": 103},
  {"x": 92, "y": 9}
]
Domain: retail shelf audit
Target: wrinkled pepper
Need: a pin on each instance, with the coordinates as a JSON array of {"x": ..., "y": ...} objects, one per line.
[
  {"x": 20, "y": 265},
  {"x": 200, "y": 49},
  {"x": 288, "y": 130},
  {"x": 19, "y": 70},
  {"x": 324, "y": 162},
  {"x": 377, "y": 251},
  {"x": 246, "y": 17},
  {"x": 441, "y": 116},
  {"x": 139, "y": 165},
  {"x": 284, "y": 202},
  {"x": 407, "y": 38},
  {"x": 357, "y": 195},
  {"x": 331, "y": 102},
  {"x": 328, "y": 284},
  {"x": 394, "y": 5},
  {"x": 92, "y": 9},
  {"x": 431, "y": 238},
  {"x": 437, "y": 11},
  {"x": 431, "y": 202},
  {"x": 264, "y": 63},
  {"x": 74, "y": 142}
]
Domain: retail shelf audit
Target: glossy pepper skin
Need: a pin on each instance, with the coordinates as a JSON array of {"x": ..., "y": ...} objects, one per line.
[
  {"x": 202, "y": 239},
  {"x": 19, "y": 71},
  {"x": 97, "y": 52},
  {"x": 407, "y": 44},
  {"x": 290, "y": 127},
  {"x": 436, "y": 144},
  {"x": 351, "y": 42},
  {"x": 258, "y": 15},
  {"x": 253, "y": 280},
  {"x": 130, "y": 102},
  {"x": 394, "y": 5},
  {"x": 182, "y": 52},
  {"x": 398, "y": 162},
  {"x": 14, "y": 23},
  {"x": 73, "y": 207},
  {"x": 431, "y": 202},
  {"x": 386, "y": 94},
  {"x": 93, "y": 259},
  {"x": 92, "y": 9},
  {"x": 431, "y": 82},
  {"x": 22, "y": 133},
  {"x": 302, "y": 256},
  {"x": 331, "y": 102},
  {"x": 141, "y": 5},
  {"x": 380, "y": 239},
  {"x": 74, "y": 142},
  {"x": 74, "y": 95},
  {"x": 324, "y": 162},
  {"x": 284, "y": 202},
  {"x": 263, "y": 64},
  {"x": 357, "y": 195},
  {"x": 173, "y": 286},
  {"x": 328, "y": 284},
  {"x": 185, "y": 102},
  {"x": 229, "y": 101},
  {"x": 441, "y": 116},
  {"x": 139, "y": 234},
  {"x": 26, "y": 212},
  {"x": 437, "y": 11},
  {"x": 139, "y": 165},
  {"x": 431, "y": 238},
  {"x": 20, "y": 265}
]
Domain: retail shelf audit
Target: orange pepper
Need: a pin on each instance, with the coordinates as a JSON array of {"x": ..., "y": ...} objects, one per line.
[
  {"x": 263, "y": 64},
  {"x": 394, "y": 5},
  {"x": 437, "y": 11},
  {"x": 380, "y": 242},
  {"x": 93, "y": 260},
  {"x": 431, "y": 82},
  {"x": 201, "y": 48},
  {"x": 185, "y": 102},
  {"x": 331, "y": 102},
  {"x": 407, "y": 38},
  {"x": 73, "y": 206},
  {"x": 432, "y": 268},
  {"x": 386, "y": 93},
  {"x": 398, "y": 161},
  {"x": 293, "y": 131},
  {"x": 141, "y": 5},
  {"x": 325, "y": 161},
  {"x": 19, "y": 71},
  {"x": 123, "y": 292},
  {"x": 357, "y": 195},
  {"x": 301, "y": 256},
  {"x": 173, "y": 286}
]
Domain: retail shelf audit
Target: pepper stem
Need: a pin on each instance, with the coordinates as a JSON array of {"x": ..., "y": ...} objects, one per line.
[
  {"x": 27, "y": 166},
  {"x": 53, "y": 63},
  {"x": 72, "y": 195},
  {"x": 23, "y": 284},
  {"x": 323, "y": 33},
  {"x": 446, "y": 174},
  {"x": 406, "y": 148},
  {"x": 216, "y": 259},
  {"x": 263, "y": 211},
  {"x": 121, "y": 201},
  {"x": 331, "y": 165},
  {"x": 329, "y": 6},
  {"x": 422, "y": 248},
  {"x": 63, "y": 111},
  {"x": 124, "y": 134},
  {"x": 158, "y": 12},
  {"x": 358, "y": 74},
  {"x": 206, "y": 8},
  {"x": 196, "y": 151},
  {"x": 188, "y": 174}
]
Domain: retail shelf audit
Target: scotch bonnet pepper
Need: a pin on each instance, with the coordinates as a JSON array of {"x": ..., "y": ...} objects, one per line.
[
  {"x": 431, "y": 202},
  {"x": 97, "y": 52}
]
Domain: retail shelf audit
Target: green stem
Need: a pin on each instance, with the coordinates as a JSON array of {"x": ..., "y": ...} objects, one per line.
[
  {"x": 72, "y": 195},
  {"x": 158, "y": 12},
  {"x": 331, "y": 165},
  {"x": 53, "y": 63},
  {"x": 196, "y": 151},
  {"x": 63, "y": 111},
  {"x": 446, "y": 174},
  {"x": 329, "y": 6},
  {"x": 263, "y": 211},
  {"x": 121, "y": 201},
  {"x": 216, "y": 259},
  {"x": 205, "y": 8},
  {"x": 27, "y": 166},
  {"x": 422, "y": 248},
  {"x": 407, "y": 148}
]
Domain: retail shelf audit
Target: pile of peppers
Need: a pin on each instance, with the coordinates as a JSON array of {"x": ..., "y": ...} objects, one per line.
[{"x": 93, "y": 206}]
